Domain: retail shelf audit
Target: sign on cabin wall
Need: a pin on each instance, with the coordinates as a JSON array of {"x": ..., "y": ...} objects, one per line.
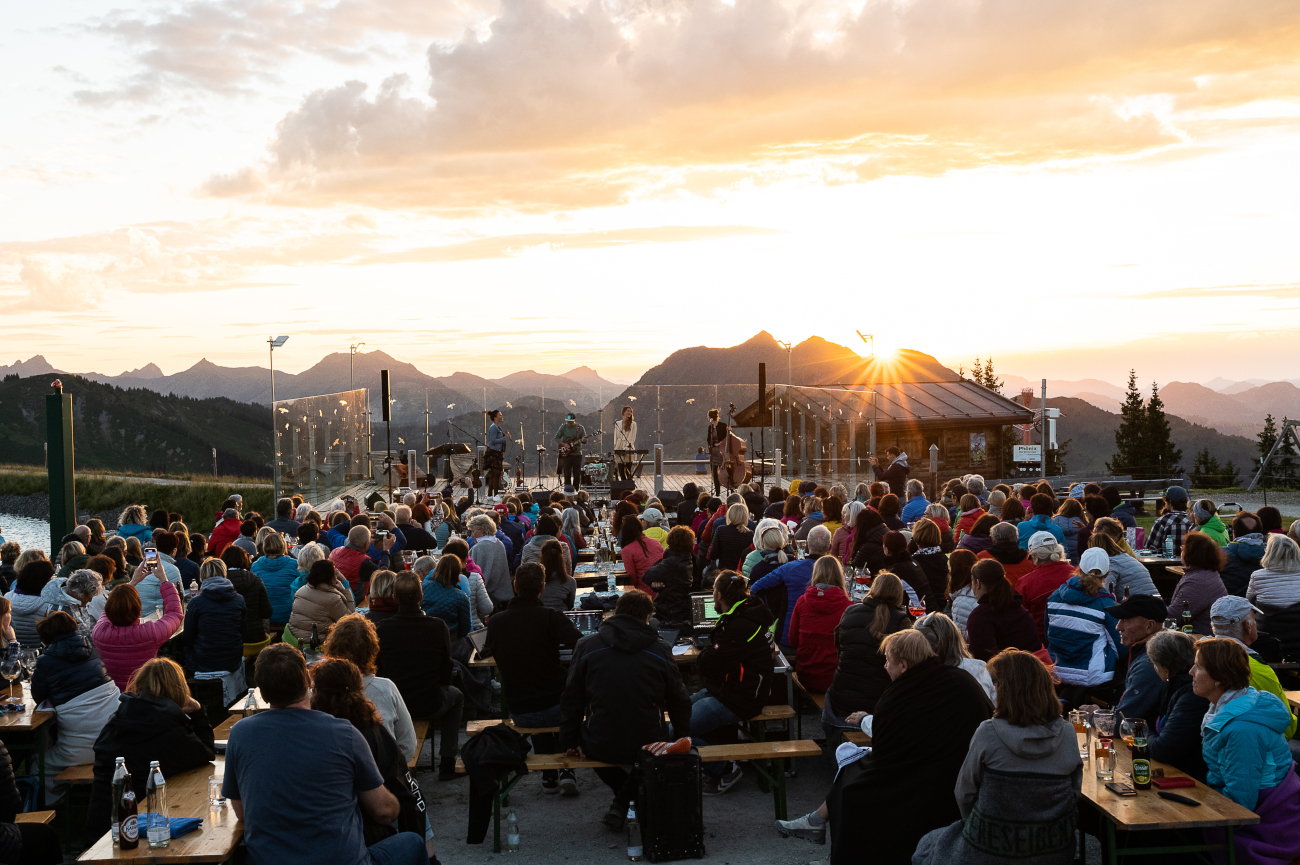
[{"x": 979, "y": 451}]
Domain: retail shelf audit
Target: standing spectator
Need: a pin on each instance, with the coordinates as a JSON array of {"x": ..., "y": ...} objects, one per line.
[
  {"x": 526, "y": 639},
  {"x": 812, "y": 625},
  {"x": 621, "y": 680},
  {"x": 122, "y": 640},
  {"x": 415, "y": 655},
  {"x": 999, "y": 620},
  {"x": 1173, "y": 522},
  {"x": 1200, "y": 586},
  {"x": 1050, "y": 572},
  {"x": 895, "y": 474},
  {"x": 354, "y": 638},
  {"x": 286, "y": 823},
  {"x": 1140, "y": 618}
]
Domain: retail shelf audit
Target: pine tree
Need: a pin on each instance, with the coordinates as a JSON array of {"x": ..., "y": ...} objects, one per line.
[
  {"x": 1228, "y": 475},
  {"x": 1163, "y": 458},
  {"x": 1131, "y": 437},
  {"x": 1056, "y": 459},
  {"x": 1267, "y": 438}
]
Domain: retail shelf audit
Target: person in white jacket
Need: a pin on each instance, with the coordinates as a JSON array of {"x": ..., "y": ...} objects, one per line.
[{"x": 1277, "y": 584}]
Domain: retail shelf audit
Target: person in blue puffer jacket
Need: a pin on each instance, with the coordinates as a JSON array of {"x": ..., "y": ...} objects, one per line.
[
  {"x": 1245, "y": 749},
  {"x": 1069, "y": 519},
  {"x": 1081, "y": 638},
  {"x": 133, "y": 524},
  {"x": 214, "y": 624},
  {"x": 444, "y": 599},
  {"x": 1043, "y": 506},
  {"x": 277, "y": 572},
  {"x": 1244, "y": 553}
]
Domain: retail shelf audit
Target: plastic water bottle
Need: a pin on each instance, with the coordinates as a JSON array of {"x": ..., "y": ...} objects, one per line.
[
  {"x": 512, "y": 833},
  {"x": 160, "y": 833},
  {"x": 119, "y": 779},
  {"x": 634, "y": 849},
  {"x": 1169, "y": 546},
  {"x": 194, "y": 590},
  {"x": 250, "y": 705}
]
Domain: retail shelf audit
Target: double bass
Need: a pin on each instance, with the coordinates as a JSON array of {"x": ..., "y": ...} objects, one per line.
[{"x": 735, "y": 468}]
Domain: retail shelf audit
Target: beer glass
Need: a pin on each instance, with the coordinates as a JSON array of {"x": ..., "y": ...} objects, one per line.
[
  {"x": 215, "y": 799},
  {"x": 1105, "y": 761},
  {"x": 1080, "y": 722},
  {"x": 1103, "y": 722}
]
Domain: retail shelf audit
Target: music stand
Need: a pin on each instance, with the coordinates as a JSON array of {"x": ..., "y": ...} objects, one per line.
[
  {"x": 447, "y": 450},
  {"x": 539, "y": 485}
]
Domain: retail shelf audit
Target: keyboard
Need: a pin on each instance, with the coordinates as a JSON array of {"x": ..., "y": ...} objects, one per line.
[{"x": 637, "y": 452}]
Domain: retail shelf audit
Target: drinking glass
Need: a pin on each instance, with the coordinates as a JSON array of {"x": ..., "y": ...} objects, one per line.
[
  {"x": 802, "y": 547},
  {"x": 1103, "y": 721},
  {"x": 215, "y": 799},
  {"x": 11, "y": 668},
  {"x": 28, "y": 658},
  {"x": 1105, "y": 762},
  {"x": 1080, "y": 722},
  {"x": 1127, "y": 728}
]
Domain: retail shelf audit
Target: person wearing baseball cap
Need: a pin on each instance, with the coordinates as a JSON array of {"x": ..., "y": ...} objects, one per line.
[
  {"x": 1174, "y": 521},
  {"x": 653, "y": 519},
  {"x": 569, "y": 438},
  {"x": 1140, "y": 617},
  {"x": 1081, "y": 638},
  {"x": 1050, "y": 570},
  {"x": 1234, "y": 618}
]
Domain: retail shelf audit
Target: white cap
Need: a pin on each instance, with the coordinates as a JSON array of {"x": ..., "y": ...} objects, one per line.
[
  {"x": 1095, "y": 559},
  {"x": 1041, "y": 539}
]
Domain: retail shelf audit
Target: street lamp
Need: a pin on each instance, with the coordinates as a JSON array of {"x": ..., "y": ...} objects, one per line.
[
  {"x": 274, "y": 343},
  {"x": 352, "y": 354},
  {"x": 869, "y": 339}
]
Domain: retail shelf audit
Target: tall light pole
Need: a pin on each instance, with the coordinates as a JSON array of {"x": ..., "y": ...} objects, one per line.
[
  {"x": 869, "y": 339},
  {"x": 352, "y": 355},
  {"x": 275, "y": 342},
  {"x": 788, "y": 439}
]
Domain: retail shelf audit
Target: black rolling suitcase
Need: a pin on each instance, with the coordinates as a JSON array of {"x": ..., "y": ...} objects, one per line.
[{"x": 670, "y": 806}]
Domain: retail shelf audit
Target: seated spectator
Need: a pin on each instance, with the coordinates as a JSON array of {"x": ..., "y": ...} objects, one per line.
[
  {"x": 354, "y": 638},
  {"x": 687, "y": 505},
  {"x": 732, "y": 542},
  {"x": 133, "y": 523},
  {"x": 284, "y": 523},
  {"x": 1120, "y": 510},
  {"x": 791, "y": 514},
  {"x": 961, "y": 593},
  {"x": 927, "y": 551},
  {"x": 34, "y": 843},
  {"x": 1200, "y": 586},
  {"x": 890, "y": 511},
  {"x": 1005, "y": 548},
  {"x": 1023, "y": 767},
  {"x": 860, "y": 676},
  {"x": 812, "y": 516},
  {"x": 443, "y": 599},
  {"x": 337, "y": 690},
  {"x": 1174, "y": 522},
  {"x": 1127, "y": 574},
  {"x": 640, "y": 553},
  {"x": 795, "y": 576},
  {"x": 1049, "y": 573},
  {"x": 621, "y": 681},
  {"x": 970, "y": 510},
  {"x": 868, "y": 548},
  {"x": 1139, "y": 618},
  {"x": 123, "y": 641},
  {"x": 292, "y": 823},
  {"x": 1244, "y": 553},
  {"x": 26, "y": 603},
  {"x": 1234, "y": 618},
  {"x": 1206, "y": 516},
  {"x": 1246, "y": 753},
  {"x": 246, "y": 540},
  {"x": 493, "y": 559},
  {"x": 979, "y": 538},
  {"x": 1270, "y": 522},
  {"x": 999, "y": 620},
  {"x": 320, "y": 603},
  {"x": 9, "y": 552},
  {"x": 1174, "y": 737},
  {"x": 471, "y": 583},
  {"x": 898, "y": 561},
  {"x": 1094, "y": 508},
  {"x": 816, "y": 617},
  {"x": 548, "y": 527},
  {"x": 257, "y": 614},
  {"x": 415, "y": 655},
  {"x": 671, "y": 577},
  {"x": 950, "y": 647},
  {"x": 354, "y": 562},
  {"x": 383, "y": 584},
  {"x": 70, "y": 675},
  {"x": 156, "y": 719},
  {"x": 916, "y": 502},
  {"x": 525, "y": 639},
  {"x": 416, "y": 537},
  {"x": 214, "y": 631},
  {"x": 1069, "y": 519},
  {"x": 72, "y": 556},
  {"x": 1081, "y": 638},
  {"x": 737, "y": 671},
  {"x": 842, "y": 538},
  {"x": 80, "y": 595},
  {"x": 882, "y": 803},
  {"x": 1277, "y": 583},
  {"x": 277, "y": 570},
  {"x": 1043, "y": 509}
]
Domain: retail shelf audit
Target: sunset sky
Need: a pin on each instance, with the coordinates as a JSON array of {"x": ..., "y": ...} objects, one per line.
[{"x": 490, "y": 185}]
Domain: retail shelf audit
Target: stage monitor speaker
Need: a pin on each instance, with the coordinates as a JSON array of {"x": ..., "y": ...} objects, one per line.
[
  {"x": 620, "y": 489},
  {"x": 386, "y": 396},
  {"x": 670, "y": 498},
  {"x": 541, "y": 496},
  {"x": 762, "y": 390}
]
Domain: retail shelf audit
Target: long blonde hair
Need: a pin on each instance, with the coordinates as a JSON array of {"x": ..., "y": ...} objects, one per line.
[
  {"x": 887, "y": 589},
  {"x": 827, "y": 572}
]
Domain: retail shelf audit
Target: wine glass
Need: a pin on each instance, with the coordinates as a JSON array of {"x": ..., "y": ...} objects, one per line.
[
  {"x": 28, "y": 658},
  {"x": 11, "y": 668},
  {"x": 1127, "y": 728}
]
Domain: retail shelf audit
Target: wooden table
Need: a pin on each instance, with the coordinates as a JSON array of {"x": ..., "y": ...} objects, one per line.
[
  {"x": 690, "y": 656},
  {"x": 1147, "y": 811},
  {"x": 187, "y": 796},
  {"x": 28, "y": 722},
  {"x": 1293, "y": 697}
]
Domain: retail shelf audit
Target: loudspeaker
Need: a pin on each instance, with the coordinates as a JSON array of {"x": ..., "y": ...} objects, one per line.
[
  {"x": 620, "y": 489},
  {"x": 387, "y": 398},
  {"x": 762, "y": 390}
]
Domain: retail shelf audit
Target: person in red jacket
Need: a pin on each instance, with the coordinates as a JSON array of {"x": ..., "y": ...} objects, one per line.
[
  {"x": 812, "y": 625},
  {"x": 224, "y": 532},
  {"x": 971, "y": 510},
  {"x": 1052, "y": 569}
]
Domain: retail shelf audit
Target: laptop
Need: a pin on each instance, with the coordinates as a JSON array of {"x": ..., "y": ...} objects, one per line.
[
  {"x": 702, "y": 610},
  {"x": 587, "y": 622},
  {"x": 478, "y": 639},
  {"x": 669, "y": 636}
]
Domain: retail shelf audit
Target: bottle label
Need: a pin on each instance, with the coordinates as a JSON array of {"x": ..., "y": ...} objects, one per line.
[
  {"x": 159, "y": 831},
  {"x": 130, "y": 828},
  {"x": 635, "y": 852},
  {"x": 1141, "y": 771},
  {"x": 117, "y": 829}
]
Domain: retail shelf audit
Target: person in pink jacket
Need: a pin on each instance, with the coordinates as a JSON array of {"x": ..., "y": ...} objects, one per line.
[{"x": 124, "y": 642}]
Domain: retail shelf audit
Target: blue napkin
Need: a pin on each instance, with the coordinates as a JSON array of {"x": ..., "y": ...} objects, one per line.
[{"x": 184, "y": 825}]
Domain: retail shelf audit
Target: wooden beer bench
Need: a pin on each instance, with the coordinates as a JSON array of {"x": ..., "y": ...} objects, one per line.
[
  {"x": 745, "y": 752},
  {"x": 45, "y": 817},
  {"x": 769, "y": 713},
  {"x": 802, "y": 693}
]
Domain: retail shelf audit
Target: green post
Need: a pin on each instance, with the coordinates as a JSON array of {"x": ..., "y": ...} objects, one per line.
[{"x": 59, "y": 462}]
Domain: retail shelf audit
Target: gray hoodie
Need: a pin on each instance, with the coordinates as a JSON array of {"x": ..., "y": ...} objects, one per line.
[{"x": 1046, "y": 749}]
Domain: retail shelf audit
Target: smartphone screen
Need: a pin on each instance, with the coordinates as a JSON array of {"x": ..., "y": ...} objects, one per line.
[{"x": 151, "y": 555}]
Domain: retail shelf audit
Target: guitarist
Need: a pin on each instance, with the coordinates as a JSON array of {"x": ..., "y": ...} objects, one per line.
[{"x": 570, "y": 438}]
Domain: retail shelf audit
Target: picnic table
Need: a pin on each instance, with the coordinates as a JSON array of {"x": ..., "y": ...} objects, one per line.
[
  {"x": 187, "y": 796},
  {"x": 1293, "y": 697},
  {"x": 1147, "y": 811},
  {"x": 30, "y": 726},
  {"x": 688, "y": 655}
]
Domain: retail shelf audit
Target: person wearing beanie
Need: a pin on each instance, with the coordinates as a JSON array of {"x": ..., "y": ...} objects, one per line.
[
  {"x": 1207, "y": 519},
  {"x": 1174, "y": 521}
]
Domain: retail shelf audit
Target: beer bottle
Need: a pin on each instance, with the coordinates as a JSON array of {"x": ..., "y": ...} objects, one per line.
[
  {"x": 119, "y": 776},
  {"x": 1141, "y": 757},
  {"x": 1126, "y": 590},
  {"x": 315, "y": 640},
  {"x": 129, "y": 822},
  {"x": 1187, "y": 619}
]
